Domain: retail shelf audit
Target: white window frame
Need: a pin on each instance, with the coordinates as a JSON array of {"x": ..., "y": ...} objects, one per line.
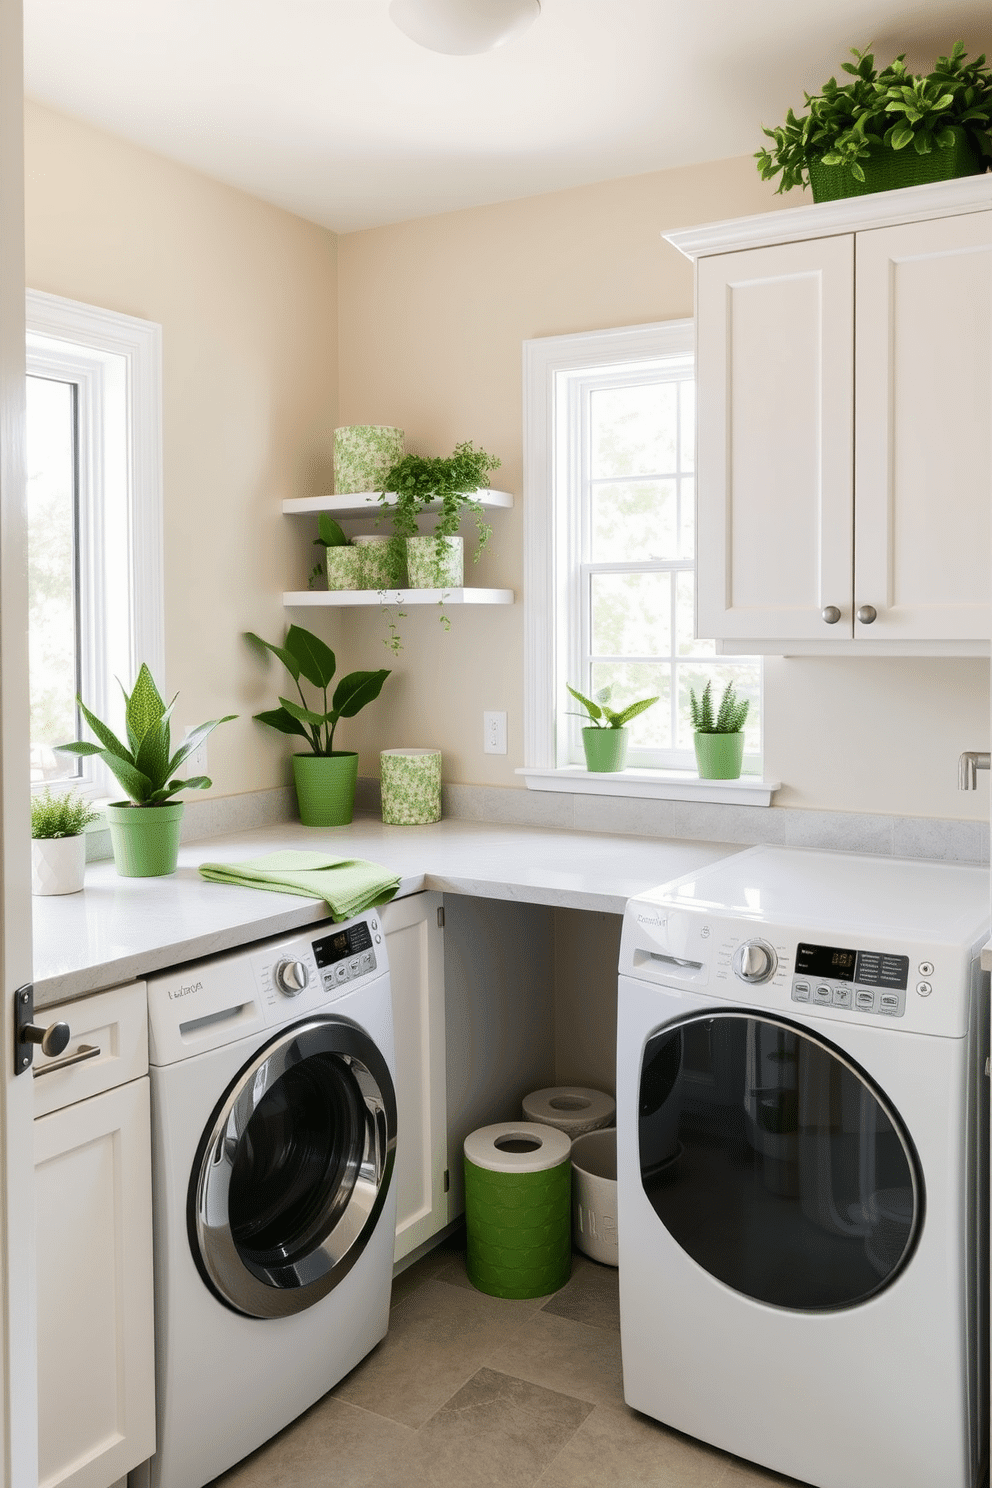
[
  {"x": 552, "y": 554},
  {"x": 115, "y": 361}
]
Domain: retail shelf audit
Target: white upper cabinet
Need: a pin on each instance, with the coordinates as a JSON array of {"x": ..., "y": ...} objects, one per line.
[{"x": 844, "y": 399}]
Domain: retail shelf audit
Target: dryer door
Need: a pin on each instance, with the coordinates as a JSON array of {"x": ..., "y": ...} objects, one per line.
[
  {"x": 774, "y": 1161},
  {"x": 293, "y": 1170}
]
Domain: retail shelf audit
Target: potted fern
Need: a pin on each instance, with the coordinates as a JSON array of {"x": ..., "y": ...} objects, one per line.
[
  {"x": 604, "y": 739},
  {"x": 437, "y": 561},
  {"x": 325, "y": 777},
  {"x": 719, "y": 737},
  {"x": 885, "y": 128},
  {"x": 144, "y": 831},
  {"x": 58, "y": 847}
]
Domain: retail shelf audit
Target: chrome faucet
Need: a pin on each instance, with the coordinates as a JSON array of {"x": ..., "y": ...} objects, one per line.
[{"x": 969, "y": 765}]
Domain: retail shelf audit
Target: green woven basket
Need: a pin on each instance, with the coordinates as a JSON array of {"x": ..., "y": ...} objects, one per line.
[{"x": 890, "y": 170}]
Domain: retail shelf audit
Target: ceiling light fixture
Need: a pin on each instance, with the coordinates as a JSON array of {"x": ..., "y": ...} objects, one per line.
[{"x": 463, "y": 27}]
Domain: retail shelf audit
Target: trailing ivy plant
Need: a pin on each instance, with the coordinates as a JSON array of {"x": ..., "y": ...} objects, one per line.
[
  {"x": 730, "y": 715},
  {"x": 599, "y": 715},
  {"x": 845, "y": 123},
  {"x": 60, "y": 816}
]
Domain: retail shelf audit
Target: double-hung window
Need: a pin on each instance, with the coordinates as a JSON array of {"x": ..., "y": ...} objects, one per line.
[
  {"x": 610, "y": 552},
  {"x": 94, "y": 500}
]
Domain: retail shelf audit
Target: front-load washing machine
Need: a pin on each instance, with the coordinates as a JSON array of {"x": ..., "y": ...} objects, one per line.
[
  {"x": 801, "y": 1164},
  {"x": 273, "y": 1140}
]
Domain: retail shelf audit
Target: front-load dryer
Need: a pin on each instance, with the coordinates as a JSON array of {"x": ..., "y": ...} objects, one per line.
[
  {"x": 802, "y": 1155},
  {"x": 273, "y": 1141}
]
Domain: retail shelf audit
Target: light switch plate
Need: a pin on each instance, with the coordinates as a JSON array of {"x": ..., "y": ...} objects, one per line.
[{"x": 495, "y": 733}]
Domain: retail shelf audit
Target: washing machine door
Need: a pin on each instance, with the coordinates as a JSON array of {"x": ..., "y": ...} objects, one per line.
[
  {"x": 293, "y": 1169},
  {"x": 775, "y": 1162}
]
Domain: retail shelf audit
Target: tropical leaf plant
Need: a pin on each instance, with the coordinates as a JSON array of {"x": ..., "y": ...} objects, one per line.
[
  {"x": 888, "y": 107},
  {"x": 730, "y": 715},
  {"x": 305, "y": 656},
  {"x": 599, "y": 714},
  {"x": 146, "y": 766}
]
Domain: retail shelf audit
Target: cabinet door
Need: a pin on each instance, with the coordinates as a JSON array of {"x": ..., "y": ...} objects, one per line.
[
  {"x": 416, "y": 967},
  {"x": 96, "y": 1369},
  {"x": 924, "y": 451},
  {"x": 775, "y": 410}
]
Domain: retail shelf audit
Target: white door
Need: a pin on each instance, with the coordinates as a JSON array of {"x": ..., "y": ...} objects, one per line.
[
  {"x": 775, "y": 398},
  {"x": 18, "y": 1403},
  {"x": 923, "y": 475}
]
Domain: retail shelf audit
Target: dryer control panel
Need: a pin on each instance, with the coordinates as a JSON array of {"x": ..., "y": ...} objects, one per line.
[{"x": 861, "y": 981}]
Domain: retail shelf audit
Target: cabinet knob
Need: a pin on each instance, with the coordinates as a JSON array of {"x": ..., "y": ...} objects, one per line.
[
  {"x": 867, "y": 614},
  {"x": 831, "y": 614},
  {"x": 52, "y": 1039}
]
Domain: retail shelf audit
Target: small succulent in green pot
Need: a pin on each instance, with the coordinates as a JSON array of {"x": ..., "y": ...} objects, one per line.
[
  {"x": 718, "y": 736},
  {"x": 58, "y": 847},
  {"x": 886, "y": 128},
  {"x": 144, "y": 831},
  {"x": 325, "y": 777},
  {"x": 604, "y": 738}
]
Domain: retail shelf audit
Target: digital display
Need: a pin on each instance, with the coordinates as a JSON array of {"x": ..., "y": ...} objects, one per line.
[
  {"x": 341, "y": 944},
  {"x": 825, "y": 961},
  {"x": 869, "y": 968}
]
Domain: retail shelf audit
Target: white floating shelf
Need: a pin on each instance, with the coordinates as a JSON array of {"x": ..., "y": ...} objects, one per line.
[
  {"x": 357, "y": 503},
  {"x": 378, "y": 597}
]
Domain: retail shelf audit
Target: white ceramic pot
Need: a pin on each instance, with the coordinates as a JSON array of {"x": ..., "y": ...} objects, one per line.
[
  {"x": 57, "y": 864},
  {"x": 594, "y": 1195}
]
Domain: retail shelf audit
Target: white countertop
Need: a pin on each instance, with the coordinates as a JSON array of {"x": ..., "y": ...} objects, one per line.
[{"x": 119, "y": 929}]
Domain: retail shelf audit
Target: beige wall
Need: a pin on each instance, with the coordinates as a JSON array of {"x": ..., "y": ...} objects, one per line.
[
  {"x": 247, "y": 299},
  {"x": 432, "y": 314}
]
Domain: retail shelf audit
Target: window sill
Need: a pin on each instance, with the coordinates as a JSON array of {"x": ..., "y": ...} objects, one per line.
[{"x": 658, "y": 785}]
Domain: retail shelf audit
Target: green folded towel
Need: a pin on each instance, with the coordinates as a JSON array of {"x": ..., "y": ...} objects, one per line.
[{"x": 349, "y": 885}]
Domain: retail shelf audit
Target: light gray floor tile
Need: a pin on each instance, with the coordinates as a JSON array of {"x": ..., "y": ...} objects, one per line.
[
  {"x": 573, "y": 1358},
  {"x": 333, "y": 1443},
  {"x": 495, "y": 1432},
  {"x": 619, "y": 1446},
  {"x": 438, "y": 1337},
  {"x": 742, "y": 1474},
  {"x": 591, "y": 1296}
]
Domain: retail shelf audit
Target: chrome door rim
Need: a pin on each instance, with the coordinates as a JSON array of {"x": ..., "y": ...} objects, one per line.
[{"x": 278, "y": 1291}]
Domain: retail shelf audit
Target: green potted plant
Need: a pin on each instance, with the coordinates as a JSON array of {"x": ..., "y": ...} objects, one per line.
[
  {"x": 885, "y": 128},
  {"x": 144, "y": 831},
  {"x": 604, "y": 738},
  {"x": 325, "y": 777},
  {"x": 342, "y": 561},
  {"x": 719, "y": 738},
  {"x": 437, "y": 561},
  {"x": 58, "y": 847}
]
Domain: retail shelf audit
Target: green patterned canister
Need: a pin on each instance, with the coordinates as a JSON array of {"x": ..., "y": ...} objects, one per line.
[
  {"x": 411, "y": 786},
  {"x": 435, "y": 562},
  {"x": 363, "y": 453},
  {"x": 518, "y": 1181},
  {"x": 343, "y": 567},
  {"x": 383, "y": 562}
]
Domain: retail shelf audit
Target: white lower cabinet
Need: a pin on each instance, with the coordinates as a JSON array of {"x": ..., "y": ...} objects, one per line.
[
  {"x": 96, "y": 1376},
  {"x": 414, "y": 942}
]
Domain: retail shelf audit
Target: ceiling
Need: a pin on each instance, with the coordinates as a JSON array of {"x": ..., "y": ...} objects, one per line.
[{"x": 323, "y": 107}]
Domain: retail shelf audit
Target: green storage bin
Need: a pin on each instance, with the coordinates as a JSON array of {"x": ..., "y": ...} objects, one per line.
[{"x": 518, "y": 1189}]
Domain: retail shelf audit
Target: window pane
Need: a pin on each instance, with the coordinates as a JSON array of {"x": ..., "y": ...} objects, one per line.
[
  {"x": 53, "y": 645},
  {"x": 687, "y": 418},
  {"x": 687, "y": 519},
  {"x": 634, "y": 522},
  {"x": 685, "y": 644},
  {"x": 631, "y": 614},
  {"x": 746, "y": 677},
  {"x": 631, "y": 681},
  {"x": 634, "y": 430}
]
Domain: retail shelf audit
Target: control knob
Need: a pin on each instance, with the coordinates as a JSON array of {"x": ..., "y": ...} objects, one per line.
[
  {"x": 755, "y": 961},
  {"x": 291, "y": 977}
]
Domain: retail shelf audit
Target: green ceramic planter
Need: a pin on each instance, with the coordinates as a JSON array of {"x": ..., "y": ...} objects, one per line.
[
  {"x": 343, "y": 567},
  {"x": 719, "y": 756},
  {"x": 383, "y": 562},
  {"x": 411, "y": 786},
  {"x": 325, "y": 787},
  {"x": 889, "y": 170},
  {"x": 435, "y": 563},
  {"x": 606, "y": 749},
  {"x": 363, "y": 453},
  {"x": 145, "y": 839}
]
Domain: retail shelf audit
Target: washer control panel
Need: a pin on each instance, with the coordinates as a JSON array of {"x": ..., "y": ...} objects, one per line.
[
  {"x": 863, "y": 981},
  {"x": 346, "y": 953}
]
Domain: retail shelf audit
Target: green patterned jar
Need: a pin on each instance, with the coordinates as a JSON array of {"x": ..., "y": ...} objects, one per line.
[
  {"x": 435, "y": 562},
  {"x": 343, "y": 567},
  {"x": 411, "y": 786},
  {"x": 363, "y": 453},
  {"x": 383, "y": 562}
]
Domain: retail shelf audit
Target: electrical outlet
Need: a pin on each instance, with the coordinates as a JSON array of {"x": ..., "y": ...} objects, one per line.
[
  {"x": 495, "y": 733},
  {"x": 197, "y": 762}
]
